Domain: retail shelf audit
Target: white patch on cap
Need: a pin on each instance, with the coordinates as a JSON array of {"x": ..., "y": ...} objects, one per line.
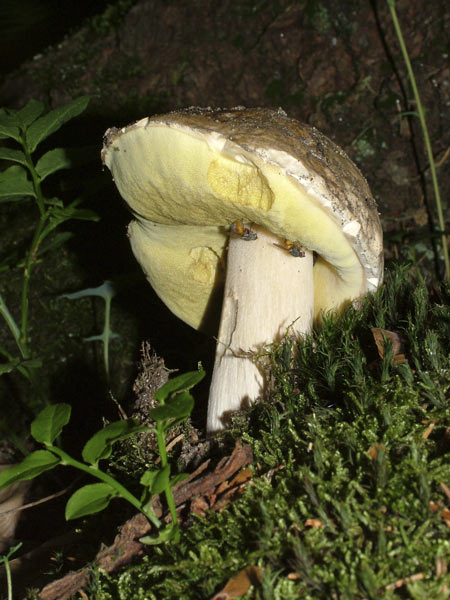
[{"x": 352, "y": 228}]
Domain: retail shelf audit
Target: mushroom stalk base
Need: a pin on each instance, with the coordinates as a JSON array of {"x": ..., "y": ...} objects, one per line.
[{"x": 268, "y": 294}]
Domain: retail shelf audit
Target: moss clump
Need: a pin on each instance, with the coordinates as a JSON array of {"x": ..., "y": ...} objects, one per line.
[{"x": 351, "y": 453}]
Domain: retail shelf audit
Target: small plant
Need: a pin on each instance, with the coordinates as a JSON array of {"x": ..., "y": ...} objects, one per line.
[
  {"x": 106, "y": 291},
  {"x": 175, "y": 406},
  {"x": 5, "y": 560},
  {"x": 27, "y": 128}
]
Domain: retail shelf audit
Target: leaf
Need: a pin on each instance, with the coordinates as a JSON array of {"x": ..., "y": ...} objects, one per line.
[
  {"x": 89, "y": 499},
  {"x": 9, "y": 366},
  {"x": 100, "y": 444},
  {"x": 161, "y": 480},
  {"x": 178, "y": 407},
  {"x": 32, "y": 363},
  {"x": 13, "y": 155},
  {"x": 239, "y": 585},
  {"x": 53, "y": 121},
  {"x": 14, "y": 182},
  {"x": 9, "y": 126},
  {"x": 33, "y": 465},
  {"x": 181, "y": 383},
  {"x": 49, "y": 423},
  {"x": 29, "y": 113},
  {"x": 85, "y": 214},
  {"x": 381, "y": 336},
  {"x": 52, "y": 161},
  {"x": 148, "y": 477},
  {"x": 57, "y": 240},
  {"x": 64, "y": 213},
  {"x": 62, "y": 158},
  {"x": 106, "y": 291}
]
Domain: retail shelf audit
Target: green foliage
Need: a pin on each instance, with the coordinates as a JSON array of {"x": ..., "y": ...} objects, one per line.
[
  {"x": 20, "y": 183},
  {"x": 174, "y": 398},
  {"x": 347, "y": 493}
]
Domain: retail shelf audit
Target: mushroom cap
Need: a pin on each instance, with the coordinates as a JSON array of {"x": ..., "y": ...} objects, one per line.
[{"x": 188, "y": 175}]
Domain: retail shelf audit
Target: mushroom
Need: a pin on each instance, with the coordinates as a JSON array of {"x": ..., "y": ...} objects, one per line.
[{"x": 245, "y": 198}]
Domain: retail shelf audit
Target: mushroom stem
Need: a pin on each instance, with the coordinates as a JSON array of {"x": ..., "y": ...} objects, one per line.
[{"x": 268, "y": 293}]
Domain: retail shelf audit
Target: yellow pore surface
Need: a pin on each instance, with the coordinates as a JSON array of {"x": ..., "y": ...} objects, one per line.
[{"x": 186, "y": 188}]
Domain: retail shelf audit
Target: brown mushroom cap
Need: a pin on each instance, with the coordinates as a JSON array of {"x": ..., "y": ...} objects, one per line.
[{"x": 189, "y": 174}]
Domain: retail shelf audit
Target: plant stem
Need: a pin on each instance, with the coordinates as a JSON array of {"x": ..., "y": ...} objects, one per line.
[
  {"x": 5, "y": 560},
  {"x": 423, "y": 124},
  {"x": 106, "y": 329},
  {"x": 30, "y": 259},
  {"x": 67, "y": 460},
  {"x": 160, "y": 436},
  {"x": 8, "y": 578},
  {"x": 31, "y": 254},
  {"x": 11, "y": 324}
]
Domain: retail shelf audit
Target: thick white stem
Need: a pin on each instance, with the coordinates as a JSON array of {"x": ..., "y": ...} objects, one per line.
[{"x": 267, "y": 291}]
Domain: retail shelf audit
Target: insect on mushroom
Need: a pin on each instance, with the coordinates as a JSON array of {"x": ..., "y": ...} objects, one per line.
[
  {"x": 188, "y": 174},
  {"x": 293, "y": 248},
  {"x": 239, "y": 229}
]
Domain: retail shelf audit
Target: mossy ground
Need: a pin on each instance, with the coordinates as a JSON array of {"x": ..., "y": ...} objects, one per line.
[{"x": 346, "y": 500}]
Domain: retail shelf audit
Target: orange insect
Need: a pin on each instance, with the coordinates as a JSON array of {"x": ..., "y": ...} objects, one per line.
[
  {"x": 238, "y": 228},
  {"x": 293, "y": 248}
]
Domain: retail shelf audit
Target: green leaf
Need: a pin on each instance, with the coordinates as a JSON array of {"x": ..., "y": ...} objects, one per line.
[
  {"x": 9, "y": 126},
  {"x": 32, "y": 363},
  {"x": 57, "y": 240},
  {"x": 100, "y": 444},
  {"x": 52, "y": 161},
  {"x": 49, "y": 423},
  {"x": 178, "y": 407},
  {"x": 33, "y": 465},
  {"x": 29, "y": 113},
  {"x": 14, "y": 182},
  {"x": 64, "y": 213},
  {"x": 9, "y": 366},
  {"x": 84, "y": 214},
  {"x": 148, "y": 478},
  {"x": 178, "y": 384},
  {"x": 13, "y": 155},
  {"x": 53, "y": 121},
  {"x": 89, "y": 499},
  {"x": 62, "y": 158},
  {"x": 161, "y": 480}
]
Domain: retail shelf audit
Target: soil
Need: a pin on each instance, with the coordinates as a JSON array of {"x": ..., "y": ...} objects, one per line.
[{"x": 335, "y": 65}]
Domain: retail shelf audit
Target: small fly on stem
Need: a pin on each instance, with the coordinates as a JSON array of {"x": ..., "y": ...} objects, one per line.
[
  {"x": 293, "y": 248},
  {"x": 239, "y": 229}
]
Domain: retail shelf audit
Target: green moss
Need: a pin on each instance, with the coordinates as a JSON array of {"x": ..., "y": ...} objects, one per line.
[
  {"x": 318, "y": 16},
  {"x": 348, "y": 507}
]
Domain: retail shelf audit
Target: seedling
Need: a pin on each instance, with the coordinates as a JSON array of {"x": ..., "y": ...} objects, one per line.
[
  {"x": 175, "y": 406},
  {"x": 107, "y": 292}
]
